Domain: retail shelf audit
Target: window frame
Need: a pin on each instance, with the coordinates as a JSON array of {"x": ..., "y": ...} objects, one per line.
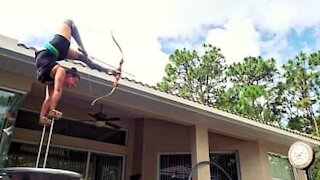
[
  {"x": 89, "y": 152},
  {"x": 236, "y": 153},
  {"x": 294, "y": 170}
]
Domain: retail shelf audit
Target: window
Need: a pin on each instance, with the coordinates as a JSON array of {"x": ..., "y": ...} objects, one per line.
[
  {"x": 9, "y": 102},
  {"x": 178, "y": 166},
  {"x": 175, "y": 166},
  {"x": 101, "y": 166},
  {"x": 281, "y": 168},
  {"x": 25, "y": 155},
  {"x": 105, "y": 167},
  {"x": 226, "y": 161}
]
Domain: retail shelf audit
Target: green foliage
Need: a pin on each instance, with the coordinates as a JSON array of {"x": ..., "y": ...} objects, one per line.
[
  {"x": 315, "y": 168},
  {"x": 252, "y": 92},
  {"x": 193, "y": 76},
  {"x": 253, "y": 70},
  {"x": 301, "y": 92},
  {"x": 253, "y": 87}
]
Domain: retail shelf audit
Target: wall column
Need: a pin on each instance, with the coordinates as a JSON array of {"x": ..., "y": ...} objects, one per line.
[{"x": 200, "y": 151}]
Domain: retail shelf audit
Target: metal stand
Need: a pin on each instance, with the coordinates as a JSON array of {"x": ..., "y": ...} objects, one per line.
[
  {"x": 21, "y": 173},
  {"x": 195, "y": 167},
  {"x": 48, "y": 145},
  {"x": 27, "y": 173},
  {"x": 40, "y": 146},
  {"x": 309, "y": 173}
]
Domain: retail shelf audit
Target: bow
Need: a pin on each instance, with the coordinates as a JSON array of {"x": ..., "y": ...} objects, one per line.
[{"x": 117, "y": 76}]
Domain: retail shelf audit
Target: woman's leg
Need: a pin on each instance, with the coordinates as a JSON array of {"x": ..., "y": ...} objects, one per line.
[
  {"x": 68, "y": 30},
  {"x": 74, "y": 54},
  {"x": 65, "y": 31},
  {"x": 77, "y": 55},
  {"x": 75, "y": 34}
]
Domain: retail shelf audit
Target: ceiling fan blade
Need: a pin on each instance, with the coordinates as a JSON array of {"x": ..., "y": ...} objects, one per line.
[
  {"x": 112, "y": 119},
  {"x": 113, "y": 125},
  {"x": 91, "y": 114},
  {"x": 87, "y": 120}
]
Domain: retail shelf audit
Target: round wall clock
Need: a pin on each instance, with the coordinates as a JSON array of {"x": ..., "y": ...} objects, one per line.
[{"x": 300, "y": 155}]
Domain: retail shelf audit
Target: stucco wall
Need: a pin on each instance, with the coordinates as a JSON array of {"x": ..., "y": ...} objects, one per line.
[
  {"x": 248, "y": 154},
  {"x": 147, "y": 138},
  {"x": 14, "y": 81},
  {"x": 166, "y": 137},
  {"x": 161, "y": 137},
  {"x": 269, "y": 147}
]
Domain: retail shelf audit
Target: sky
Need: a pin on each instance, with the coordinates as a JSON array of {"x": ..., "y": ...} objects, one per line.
[{"x": 148, "y": 31}]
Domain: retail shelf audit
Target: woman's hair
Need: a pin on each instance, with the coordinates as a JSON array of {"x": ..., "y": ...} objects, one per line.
[{"x": 73, "y": 72}]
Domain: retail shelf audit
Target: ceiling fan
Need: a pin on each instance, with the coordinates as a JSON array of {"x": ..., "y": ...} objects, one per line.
[{"x": 101, "y": 119}]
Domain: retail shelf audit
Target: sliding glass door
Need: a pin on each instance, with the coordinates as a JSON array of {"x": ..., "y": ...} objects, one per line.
[
  {"x": 9, "y": 102},
  {"x": 92, "y": 165}
]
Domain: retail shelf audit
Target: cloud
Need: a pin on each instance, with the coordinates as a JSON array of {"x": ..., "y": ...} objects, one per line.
[
  {"x": 267, "y": 28},
  {"x": 237, "y": 39},
  {"x": 193, "y": 39},
  {"x": 149, "y": 30}
]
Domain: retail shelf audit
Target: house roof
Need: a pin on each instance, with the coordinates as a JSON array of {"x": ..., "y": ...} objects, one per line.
[{"x": 9, "y": 48}]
